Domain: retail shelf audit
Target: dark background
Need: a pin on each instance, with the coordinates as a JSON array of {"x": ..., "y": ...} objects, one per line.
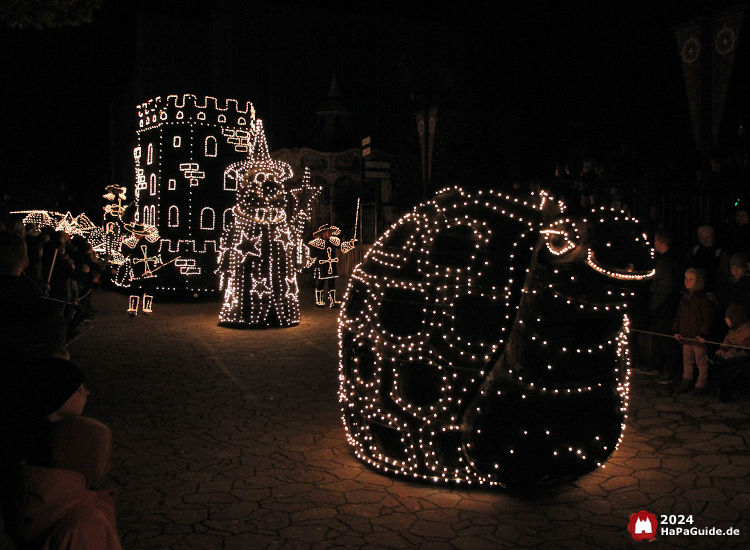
[{"x": 520, "y": 87}]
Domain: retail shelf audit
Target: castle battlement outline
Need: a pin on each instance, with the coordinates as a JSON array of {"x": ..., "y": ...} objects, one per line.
[
  {"x": 187, "y": 107},
  {"x": 184, "y": 146}
]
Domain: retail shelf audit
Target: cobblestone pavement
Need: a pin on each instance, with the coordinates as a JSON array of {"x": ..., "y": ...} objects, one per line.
[{"x": 232, "y": 439}]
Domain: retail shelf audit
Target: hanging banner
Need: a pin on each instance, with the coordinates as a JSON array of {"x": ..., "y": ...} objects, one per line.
[
  {"x": 725, "y": 33},
  {"x": 421, "y": 132},
  {"x": 431, "y": 124},
  {"x": 688, "y": 37}
]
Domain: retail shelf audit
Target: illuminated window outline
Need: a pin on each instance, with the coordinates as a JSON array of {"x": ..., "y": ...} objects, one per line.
[
  {"x": 214, "y": 146},
  {"x": 172, "y": 185},
  {"x": 212, "y": 213},
  {"x": 149, "y": 215},
  {"x": 233, "y": 179},
  {"x": 222, "y": 118},
  {"x": 201, "y": 116},
  {"x": 176, "y": 141},
  {"x": 173, "y": 217},
  {"x": 228, "y": 218},
  {"x": 150, "y": 156},
  {"x": 241, "y": 121},
  {"x": 152, "y": 185}
]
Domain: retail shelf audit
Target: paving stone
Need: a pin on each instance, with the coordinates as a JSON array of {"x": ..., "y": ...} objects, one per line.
[{"x": 233, "y": 439}]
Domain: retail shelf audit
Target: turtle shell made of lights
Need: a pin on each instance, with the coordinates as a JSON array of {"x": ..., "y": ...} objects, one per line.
[{"x": 483, "y": 339}]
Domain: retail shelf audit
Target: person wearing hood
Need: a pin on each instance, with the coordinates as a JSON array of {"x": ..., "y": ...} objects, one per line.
[
  {"x": 50, "y": 458},
  {"x": 691, "y": 327},
  {"x": 59, "y": 510},
  {"x": 733, "y": 357}
]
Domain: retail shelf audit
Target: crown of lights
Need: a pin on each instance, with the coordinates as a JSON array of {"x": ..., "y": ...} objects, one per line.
[{"x": 476, "y": 306}]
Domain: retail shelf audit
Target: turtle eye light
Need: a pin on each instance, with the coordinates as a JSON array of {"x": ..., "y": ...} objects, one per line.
[{"x": 561, "y": 237}]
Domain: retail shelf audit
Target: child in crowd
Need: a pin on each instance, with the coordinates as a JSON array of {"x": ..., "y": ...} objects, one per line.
[
  {"x": 732, "y": 360},
  {"x": 736, "y": 288},
  {"x": 691, "y": 326},
  {"x": 42, "y": 447}
]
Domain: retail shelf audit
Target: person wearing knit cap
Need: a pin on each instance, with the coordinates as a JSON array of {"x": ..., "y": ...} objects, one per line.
[
  {"x": 33, "y": 397},
  {"x": 733, "y": 357},
  {"x": 46, "y": 388}
]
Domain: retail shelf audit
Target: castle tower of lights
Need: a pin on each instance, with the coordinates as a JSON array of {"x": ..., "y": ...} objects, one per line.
[{"x": 184, "y": 145}]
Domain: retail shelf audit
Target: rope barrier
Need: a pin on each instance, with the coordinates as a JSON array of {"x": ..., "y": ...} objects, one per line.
[
  {"x": 65, "y": 301},
  {"x": 688, "y": 339}
]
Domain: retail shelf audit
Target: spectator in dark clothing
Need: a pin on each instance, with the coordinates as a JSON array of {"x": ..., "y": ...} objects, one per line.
[
  {"x": 62, "y": 277},
  {"x": 733, "y": 357},
  {"x": 735, "y": 289},
  {"x": 27, "y": 320},
  {"x": 664, "y": 298},
  {"x": 710, "y": 257},
  {"x": 51, "y": 458},
  {"x": 739, "y": 233},
  {"x": 34, "y": 243}
]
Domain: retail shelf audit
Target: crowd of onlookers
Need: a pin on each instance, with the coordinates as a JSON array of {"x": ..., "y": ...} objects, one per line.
[
  {"x": 692, "y": 326},
  {"x": 52, "y": 460}
]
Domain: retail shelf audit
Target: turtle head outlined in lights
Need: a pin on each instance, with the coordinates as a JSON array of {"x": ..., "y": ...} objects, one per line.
[{"x": 484, "y": 340}]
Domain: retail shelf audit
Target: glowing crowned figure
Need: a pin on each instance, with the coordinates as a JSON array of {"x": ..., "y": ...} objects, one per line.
[{"x": 257, "y": 250}]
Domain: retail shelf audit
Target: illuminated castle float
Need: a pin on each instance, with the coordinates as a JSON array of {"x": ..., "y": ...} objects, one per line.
[
  {"x": 484, "y": 340},
  {"x": 184, "y": 146}
]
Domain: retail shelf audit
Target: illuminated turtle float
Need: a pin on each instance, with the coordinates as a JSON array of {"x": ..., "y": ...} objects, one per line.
[{"x": 483, "y": 339}]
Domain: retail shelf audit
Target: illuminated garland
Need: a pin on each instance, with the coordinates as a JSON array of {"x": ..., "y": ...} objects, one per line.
[{"x": 477, "y": 329}]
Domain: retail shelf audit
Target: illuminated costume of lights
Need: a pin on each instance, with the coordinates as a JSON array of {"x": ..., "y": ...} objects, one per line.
[
  {"x": 484, "y": 340},
  {"x": 78, "y": 225},
  {"x": 257, "y": 249},
  {"x": 109, "y": 246},
  {"x": 324, "y": 261},
  {"x": 138, "y": 268}
]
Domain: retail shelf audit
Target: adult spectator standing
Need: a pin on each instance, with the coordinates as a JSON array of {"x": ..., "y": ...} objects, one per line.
[
  {"x": 739, "y": 232},
  {"x": 663, "y": 301},
  {"x": 713, "y": 260},
  {"x": 710, "y": 257}
]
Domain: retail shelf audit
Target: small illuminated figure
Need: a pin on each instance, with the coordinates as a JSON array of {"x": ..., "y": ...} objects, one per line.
[
  {"x": 138, "y": 268},
  {"x": 257, "y": 248},
  {"x": 112, "y": 232},
  {"x": 324, "y": 261}
]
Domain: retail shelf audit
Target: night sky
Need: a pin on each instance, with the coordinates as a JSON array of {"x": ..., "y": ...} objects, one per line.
[{"x": 530, "y": 85}]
